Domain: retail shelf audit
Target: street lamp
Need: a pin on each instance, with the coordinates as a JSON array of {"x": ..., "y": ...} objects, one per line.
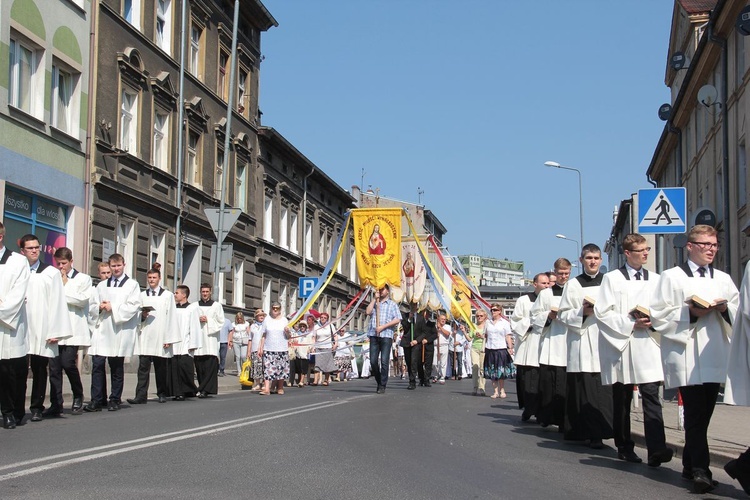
[
  {"x": 563, "y": 237},
  {"x": 554, "y": 164}
]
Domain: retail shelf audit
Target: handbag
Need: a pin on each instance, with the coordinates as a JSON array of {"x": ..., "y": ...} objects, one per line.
[{"x": 245, "y": 378}]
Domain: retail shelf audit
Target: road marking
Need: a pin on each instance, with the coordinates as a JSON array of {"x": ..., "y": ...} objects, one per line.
[{"x": 159, "y": 439}]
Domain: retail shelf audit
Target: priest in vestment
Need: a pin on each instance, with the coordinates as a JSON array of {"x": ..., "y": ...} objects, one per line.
[
  {"x": 553, "y": 348},
  {"x": 695, "y": 342},
  {"x": 156, "y": 335},
  {"x": 47, "y": 320},
  {"x": 588, "y": 403},
  {"x": 119, "y": 299},
  {"x": 181, "y": 366},
  {"x": 527, "y": 349},
  {"x": 14, "y": 281},
  {"x": 78, "y": 291},
  {"x": 207, "y": 356},
  {"x": 629, "y": 351},
  {"x": 737, "y": 389}
]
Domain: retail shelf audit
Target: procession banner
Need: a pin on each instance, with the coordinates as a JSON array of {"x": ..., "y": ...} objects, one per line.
[
  {"x": 413, "y": 271},
  {"x": 377, "y": 241}
]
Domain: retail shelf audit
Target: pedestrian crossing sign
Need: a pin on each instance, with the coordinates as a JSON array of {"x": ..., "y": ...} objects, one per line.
[{"x": 662, "y": 210}]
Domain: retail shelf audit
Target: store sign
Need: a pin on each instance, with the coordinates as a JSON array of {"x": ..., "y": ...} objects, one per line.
[
  {"x": 50, "y": 213},
  {"x": 17, "y": 203}
]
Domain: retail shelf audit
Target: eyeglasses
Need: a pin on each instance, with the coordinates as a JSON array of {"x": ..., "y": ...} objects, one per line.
[
  {"x": 642, "y": 250},
  {"x": 705, "y": 245},
  {"x": 276, "y": 308},
  {"x": 495, "y": 310}
]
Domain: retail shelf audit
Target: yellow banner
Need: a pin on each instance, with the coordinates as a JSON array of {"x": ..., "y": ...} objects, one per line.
[
  {"x": 377, "y": 241},
  {"x": 461, "y": 293}
]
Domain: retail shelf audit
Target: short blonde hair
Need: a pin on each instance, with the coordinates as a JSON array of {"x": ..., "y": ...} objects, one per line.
[{"x": 701, "y": 229}]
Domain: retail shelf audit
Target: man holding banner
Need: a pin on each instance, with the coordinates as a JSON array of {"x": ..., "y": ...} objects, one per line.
[{"x": 384, "y": 318}]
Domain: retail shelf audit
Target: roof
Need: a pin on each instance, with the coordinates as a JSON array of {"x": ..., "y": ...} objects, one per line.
[{"x": 697, "y": 6}]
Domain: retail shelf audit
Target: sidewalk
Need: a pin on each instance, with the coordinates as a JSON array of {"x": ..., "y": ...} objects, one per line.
[{"x": 727, "y": 434}]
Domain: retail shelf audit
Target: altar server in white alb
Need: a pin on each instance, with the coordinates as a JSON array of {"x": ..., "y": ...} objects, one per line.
[
  {"x": 119, "y": 299},
  {"x": 695, "y": 339},
  {"x": 588, "y": 410},
  {"x": 14, "y": 281},
  {"x": 156, "y": 335},
  {"x": 207, "y": 356},
  {"x": 527, "y": 349},
  {"x": 47, "y": 320},
  {"x": 78, "y": 289},
  {"x": 629, "y": 351},
  {"x": 553, "y": 348},
  {"x": 737, "y": 390},
  {"x": 181, "y": 366}
]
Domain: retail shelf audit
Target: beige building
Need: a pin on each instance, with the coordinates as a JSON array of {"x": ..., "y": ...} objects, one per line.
[{"x": 704, "y": 146}]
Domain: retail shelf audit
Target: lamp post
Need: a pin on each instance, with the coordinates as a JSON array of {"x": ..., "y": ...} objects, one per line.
[
  {"x": 554, "y": 164},
  {"x": 563, "y": 237}
]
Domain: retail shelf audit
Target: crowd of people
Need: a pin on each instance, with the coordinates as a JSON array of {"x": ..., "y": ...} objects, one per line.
[{"x": 577, "y": 346}]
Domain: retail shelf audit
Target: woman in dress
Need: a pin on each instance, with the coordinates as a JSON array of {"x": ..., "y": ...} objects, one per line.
[
  {"x": 274, "y": 350},
  {"x": 325, "y": 345},
  {"x": 239, "y": 339},
  {"x": 256, "y": 368},
  {"x": 477, "y": 353},
  {"x": 498, "y": 352}
]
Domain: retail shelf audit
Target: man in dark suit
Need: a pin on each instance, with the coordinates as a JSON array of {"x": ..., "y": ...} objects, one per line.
[{"x": 418, "y": 343}]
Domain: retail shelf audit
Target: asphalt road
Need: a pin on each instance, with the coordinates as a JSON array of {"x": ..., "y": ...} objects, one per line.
[{"x": 343, "y": 441}]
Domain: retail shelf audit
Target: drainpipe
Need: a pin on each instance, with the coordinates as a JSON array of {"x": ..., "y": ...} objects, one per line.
[
  {"x": 88, "y": 152},
  {"x": 724, "y": 143},
  {"x": 180, "y": 152}
]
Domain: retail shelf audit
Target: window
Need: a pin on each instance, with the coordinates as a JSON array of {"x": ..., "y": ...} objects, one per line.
[
  {"x": 160, "y": 149},
  {"x": 219, "y": 172},
  {"x": 238, "y": 279},
  {"x": 196, "y": 33},
  {"x": 283, "y": 228},
  {"x": 221, "y": 84},
  {"x": 131, "y": 11},
  {"x": 125, "y": 244},
  {"x": 284, "y": 300},
  {"x": 242, "y": 95},
  {"x": 240, "y": 194},
  {"x": 27, "y": 213},
  {"x": 352, "y": 264},
  {"x": 192, "y": 172},
  {"x": 266, "y": 294},
  {"x": 267, "y": 219},
  {"x": 26, "y": 82},
  {"x": 129, "y": 122},
  {"x": 741, "y": 175},
  {"x": 308, "y": 240},
  {"x": 222, "y": 287},
  {"x": 164, "y": 25},
  {"x": 293, "y": 233},
  {"x": 719, "y": 190},
  {"x": 156, "y": 252},
  {"x": 64, "y": 110},
  {"x": 322, "y": 247}
]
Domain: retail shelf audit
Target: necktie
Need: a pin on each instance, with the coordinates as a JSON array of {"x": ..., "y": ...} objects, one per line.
[
  {"x": 638, "y": 276},
  {"x": 702, "y": 272},
  {"x": 114, "y": 282}
]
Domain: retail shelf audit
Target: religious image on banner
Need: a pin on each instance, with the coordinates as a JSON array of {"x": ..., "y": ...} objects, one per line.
[
  {"x": 462, "y": 295},
  {"x": 413, "y": 270},
  {"x": 377, "y": 241}
]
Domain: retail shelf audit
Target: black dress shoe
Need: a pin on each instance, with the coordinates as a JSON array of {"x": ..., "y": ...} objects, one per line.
[
  {"x": 136, "y": 401},
  {"x": 596, "y": 444},
  {"x": 52, "y": 411},
  {"x": 92, "y": 406},
  {"x": 412, "y": 386},
  {"x": 660, "y": 457},
  {"x": 113, "y": 405},
  {"x": 9, "y": 422},
  {"x": 178, "y": 398},
  {"x": 740, "y": 473},
  {"x": 77, "y": 405},
  {"x": 629, "y": 456},
  {"x": 202, "y": 395},
  {"x": 36, "y": 416},
  {"x": 162, "y": 399},
  {"x": 702, "y": 482}
]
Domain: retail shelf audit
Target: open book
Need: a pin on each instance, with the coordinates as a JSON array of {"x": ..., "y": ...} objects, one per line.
[
  {"x": 701, "y": 303},
  {"x": 589, "y": 300},
  {"x": 640, "y": 312}
]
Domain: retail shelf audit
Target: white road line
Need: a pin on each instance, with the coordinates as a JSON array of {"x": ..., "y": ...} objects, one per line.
[{"x": 156, "y": 440}]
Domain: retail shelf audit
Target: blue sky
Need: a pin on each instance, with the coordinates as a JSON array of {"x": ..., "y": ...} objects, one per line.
[{"x": 467, "y": 99}]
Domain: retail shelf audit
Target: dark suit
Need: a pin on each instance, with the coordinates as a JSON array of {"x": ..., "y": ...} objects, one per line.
[{"x": 419, "y": 329}]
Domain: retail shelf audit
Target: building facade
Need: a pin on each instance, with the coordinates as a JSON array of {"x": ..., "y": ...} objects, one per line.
[{"x": 492, "y": 272}]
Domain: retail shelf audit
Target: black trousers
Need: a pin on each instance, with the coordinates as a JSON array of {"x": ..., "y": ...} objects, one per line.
[
  {"x": 99, "y": 378},
  {"x": 64, "y": 362},
  {"x": 411, "y": 370},
  {"x": 423, "y": 368},
  {"x": 182, "y": 375},
  {"x": 552, "y": 390},
  {"x": 699, "y": 402},
  {"x": 456, "y": 359},
  {"x": 144, "y": 372},
  {"x": 528, "y": 385},
  {"x": 13, "y": 373},
  {"x": 38, "y": 365},
  {"x": 298, "y": 368},
  {"x": 207, "y": 370},
  {"x": 653, "y": 420},
  {"x": 744, "y": 459}
]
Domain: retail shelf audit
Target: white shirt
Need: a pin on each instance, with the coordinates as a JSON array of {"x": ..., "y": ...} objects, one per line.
[{"x": 496, "y": 332}]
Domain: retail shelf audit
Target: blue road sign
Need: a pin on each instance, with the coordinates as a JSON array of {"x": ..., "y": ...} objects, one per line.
[
  {"x": 662, "y": 210},
  {"x": 306, "y": 286}
]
